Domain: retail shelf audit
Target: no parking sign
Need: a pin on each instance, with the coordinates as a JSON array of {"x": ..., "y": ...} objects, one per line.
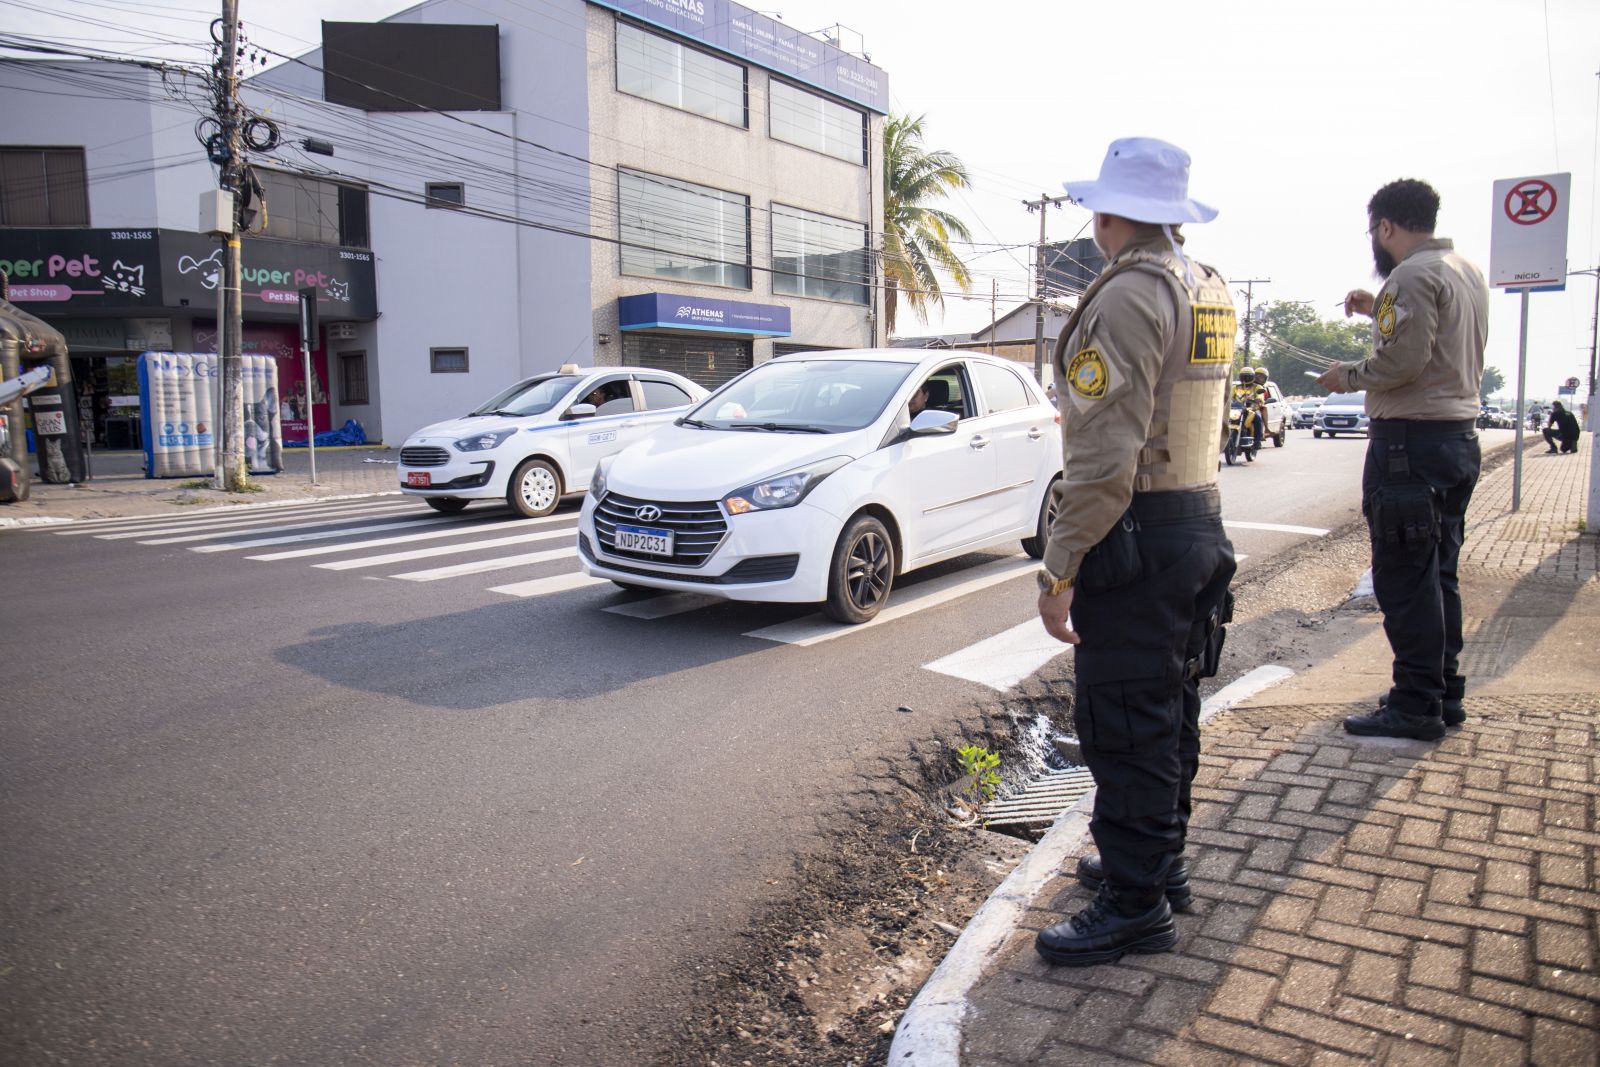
[{"x": 1528, "y": 238}]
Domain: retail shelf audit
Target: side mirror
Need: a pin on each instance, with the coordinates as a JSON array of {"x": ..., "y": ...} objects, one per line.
[
  {"x": 581, "y": 411},
  {"x": 934, "y": 422}
]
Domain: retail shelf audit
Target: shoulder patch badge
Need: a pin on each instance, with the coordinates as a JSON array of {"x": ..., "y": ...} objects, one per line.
[
  {"x": 1087, "y": 374},
  {"x": 1387, "y": 317}
]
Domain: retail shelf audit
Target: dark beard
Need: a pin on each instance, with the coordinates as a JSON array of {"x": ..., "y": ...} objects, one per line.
[{"x": 1383, "y": 261}]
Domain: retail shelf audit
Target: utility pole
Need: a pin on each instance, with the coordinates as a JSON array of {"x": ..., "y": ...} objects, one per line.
[
  {"x": 1249, "y": 292},
  {"x": 994, "y": 310},
  {"x": 1039, "y": 205},
  {"x": 232, "y": 475}
]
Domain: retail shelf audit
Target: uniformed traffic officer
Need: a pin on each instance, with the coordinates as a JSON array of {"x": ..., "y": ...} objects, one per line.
[
  {"x": 1137, "y": 552},
  {"x": 1429, "y": 325}
]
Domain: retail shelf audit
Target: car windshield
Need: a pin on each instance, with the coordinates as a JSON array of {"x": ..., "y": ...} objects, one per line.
[
  {"x": 1346, "y": 400},
  {"x": 532, "y": 396},
  {"x": 803, "y": 396}
]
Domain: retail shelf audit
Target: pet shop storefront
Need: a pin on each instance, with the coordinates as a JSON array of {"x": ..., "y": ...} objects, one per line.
[{"x": 116, "y": 293}]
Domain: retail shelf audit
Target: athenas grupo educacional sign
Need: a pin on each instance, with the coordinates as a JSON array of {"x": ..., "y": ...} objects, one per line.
[{"x": 70, "y": 271}]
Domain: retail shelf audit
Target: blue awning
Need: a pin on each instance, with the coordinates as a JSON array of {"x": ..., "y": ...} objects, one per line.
[{"x": 698, "y": 314}]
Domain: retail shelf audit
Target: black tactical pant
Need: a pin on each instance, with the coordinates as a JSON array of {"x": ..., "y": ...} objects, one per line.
[
  {"x": 1416, "y": 509},
  {"x": 1149, "y": 608}
]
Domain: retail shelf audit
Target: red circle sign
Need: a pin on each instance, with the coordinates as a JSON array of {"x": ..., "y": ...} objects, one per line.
[{"x": 1530, "y": 202}]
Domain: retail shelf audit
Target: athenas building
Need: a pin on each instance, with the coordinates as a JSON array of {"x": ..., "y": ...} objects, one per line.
[{"x": 478, "y": 191}]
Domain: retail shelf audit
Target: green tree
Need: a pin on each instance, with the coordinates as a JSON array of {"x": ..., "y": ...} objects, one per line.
[
  {"x": 916, "y": 236},
  {"x": 1286, "y": 323},
  {"x": 1493, "y": 382}
]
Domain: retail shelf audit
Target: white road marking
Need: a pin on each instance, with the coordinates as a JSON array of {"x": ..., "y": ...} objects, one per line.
[
  {"x": 182, "y": 523},
  {"x": 814, "y": 629},
  {"x": 660, "y": 607},
  {"x": 456, "y": 548},
  {"x": 499, "y": 563},
  {"x": 1276, "y": 527},
  {"x": 1242, "y": 689},
  {"x": 1005, "y": 659},
  {"x": 1240, "y": 557},
  {"x": 323, "y": 535},
  {"x": 211, "y": 531},
  {"x": 276, "y": 507},
  {"x": 559, "y": 583},
  {"x": 400, "y": 539}
]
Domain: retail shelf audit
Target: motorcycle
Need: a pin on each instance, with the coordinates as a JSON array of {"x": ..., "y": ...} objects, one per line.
[{"x": 1241, "y": 434}]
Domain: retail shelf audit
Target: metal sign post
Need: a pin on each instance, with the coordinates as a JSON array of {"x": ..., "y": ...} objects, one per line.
[
  {"x": 308, "y": 330},
  {"x": 1528, "y": 253}
]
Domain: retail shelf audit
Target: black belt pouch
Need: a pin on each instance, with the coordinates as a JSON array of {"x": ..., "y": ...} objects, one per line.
[{"x": 1115, "y": 561}]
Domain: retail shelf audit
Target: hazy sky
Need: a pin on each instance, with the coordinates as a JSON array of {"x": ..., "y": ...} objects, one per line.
[{"x": 1294, "y": 112}]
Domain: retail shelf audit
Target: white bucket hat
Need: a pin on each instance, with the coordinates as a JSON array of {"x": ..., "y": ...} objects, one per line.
[{"x": 1145, "y": 180}]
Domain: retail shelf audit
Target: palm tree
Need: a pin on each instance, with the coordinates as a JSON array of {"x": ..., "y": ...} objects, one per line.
[{"x": 916, "y": 237}]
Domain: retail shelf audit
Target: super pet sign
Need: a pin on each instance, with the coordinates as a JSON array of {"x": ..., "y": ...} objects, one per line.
[{"x": 1215, "y": 327}]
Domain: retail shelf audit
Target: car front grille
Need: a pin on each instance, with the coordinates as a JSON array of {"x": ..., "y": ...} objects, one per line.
[
  {"x": 424, "y": 456},
  {"x": 697, "y": 527}
]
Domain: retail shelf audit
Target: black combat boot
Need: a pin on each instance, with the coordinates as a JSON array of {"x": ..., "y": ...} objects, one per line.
[
  {"x": 1109, "y": 929},
  {"x": 1454, "y": 715},
  {"x": 1091, "y": 874},
  {"x": 1390, "y": 722}
]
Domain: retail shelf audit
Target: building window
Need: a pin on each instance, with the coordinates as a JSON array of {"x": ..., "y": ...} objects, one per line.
[
  {"x": 682, "y": 231},
  {"x": 353, "y": 377},
  {"x": 819, "y": 256},
  {"x": 670, "y": 73},
  {"x": 446, "y": 194},
  {"x": 447, "y": 360},
  {"x": 309, "y": 209},
  {"x": 817, "y": 123},
  {"x": 43, "y": 187}
]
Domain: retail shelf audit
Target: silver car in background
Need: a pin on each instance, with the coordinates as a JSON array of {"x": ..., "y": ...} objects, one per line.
[{"x": 1341, "y": 413}]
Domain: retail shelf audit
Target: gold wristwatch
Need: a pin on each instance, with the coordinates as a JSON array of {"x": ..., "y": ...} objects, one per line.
[{"x": 1051, "y": 585}]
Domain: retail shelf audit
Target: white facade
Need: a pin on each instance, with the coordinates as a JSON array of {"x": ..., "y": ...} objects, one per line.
[{"x": 531, "y": 286}]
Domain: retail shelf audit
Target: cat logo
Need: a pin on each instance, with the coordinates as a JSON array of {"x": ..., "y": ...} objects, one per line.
[{"x": 1087, "y": 374}]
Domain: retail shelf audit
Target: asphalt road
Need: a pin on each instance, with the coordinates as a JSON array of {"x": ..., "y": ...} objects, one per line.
[{"x": 272, "y": 811}]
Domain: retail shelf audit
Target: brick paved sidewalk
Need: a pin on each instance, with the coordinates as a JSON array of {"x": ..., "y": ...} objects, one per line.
[
  {"x": 1358, "y": 901},
  {"x": 1367, "y": 900}
]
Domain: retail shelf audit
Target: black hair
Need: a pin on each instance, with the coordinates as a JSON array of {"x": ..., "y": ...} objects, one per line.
[{"x": 1408, "y": 203}]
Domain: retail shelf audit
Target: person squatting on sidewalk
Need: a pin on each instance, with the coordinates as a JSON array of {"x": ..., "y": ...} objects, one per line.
[
  {"x": 1429, "y": 325},
  {"x": 1563, "y": 429},
  {"x": 1139, "y": 558}
]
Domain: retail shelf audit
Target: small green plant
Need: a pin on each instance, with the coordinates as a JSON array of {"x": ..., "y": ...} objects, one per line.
[
  {"x": 197, "y": 483},
  {"x": 978, "y": 770}
]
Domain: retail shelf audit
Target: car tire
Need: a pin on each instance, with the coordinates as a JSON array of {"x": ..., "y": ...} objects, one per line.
[
  {"x": 861, "y": 573},
  {"x": 1279, "y": 438},
  {"x": 535, "y": 488},
  {"x": 1316, "y": 433},
  {"x": 1034, "y": 546},
  {"x": 446, "y": 505}
]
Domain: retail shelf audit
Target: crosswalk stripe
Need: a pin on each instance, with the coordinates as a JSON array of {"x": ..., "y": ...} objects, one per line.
[
  {"x": 207, "y": 531},
  {"x": 1005, "y": 659},
  {"x": 814, "y": 629},
  {"x": 559, "y": 583},
  {"x": 480, "y": 566},
  {"x": 400, "y": 539},
  {"x": 179, "y": 523},
  {"x": 87, "y": 525},
  {"x": 1277, "y": 527},
  {"x": 439, "y": 550},
  {"x": 660, "y": 607},
  {"x": 323, "y": 535}
]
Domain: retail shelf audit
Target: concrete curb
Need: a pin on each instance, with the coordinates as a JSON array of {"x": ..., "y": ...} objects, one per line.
[
  {"x": 930, "y": 1031},
  {"x": 49, "y": 520}
]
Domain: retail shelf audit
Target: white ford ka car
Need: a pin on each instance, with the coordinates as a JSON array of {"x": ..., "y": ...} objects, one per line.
[
  {"x": 540, "y": 439},
  {"x": 808, "y": 479}
]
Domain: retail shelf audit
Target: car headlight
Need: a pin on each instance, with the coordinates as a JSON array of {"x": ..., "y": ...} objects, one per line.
[
  {"x": 597, "y": 480},
  {"x": 480, "y": 442},
  {"x": 782, "y": 490}
]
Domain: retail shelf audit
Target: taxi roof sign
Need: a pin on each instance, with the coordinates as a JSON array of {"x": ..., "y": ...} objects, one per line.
[{"x": 1528, "y": 234}]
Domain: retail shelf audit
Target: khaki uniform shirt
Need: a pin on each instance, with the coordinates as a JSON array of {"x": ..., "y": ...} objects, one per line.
[
  {"x": 1108, "y": 405},
  {"x": 1429, "y": 325}
]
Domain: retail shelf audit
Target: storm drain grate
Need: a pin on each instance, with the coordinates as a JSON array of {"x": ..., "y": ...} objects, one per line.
[{"x": 1042, "y": 801}]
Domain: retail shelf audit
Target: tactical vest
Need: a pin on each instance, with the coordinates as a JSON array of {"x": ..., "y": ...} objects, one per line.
[{"x": 1191, "y": 393}]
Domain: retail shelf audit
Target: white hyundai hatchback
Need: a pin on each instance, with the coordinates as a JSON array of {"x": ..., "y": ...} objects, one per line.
[
  {"x": 539, "y": 440},
  {"x": 821, "y": 476}
]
